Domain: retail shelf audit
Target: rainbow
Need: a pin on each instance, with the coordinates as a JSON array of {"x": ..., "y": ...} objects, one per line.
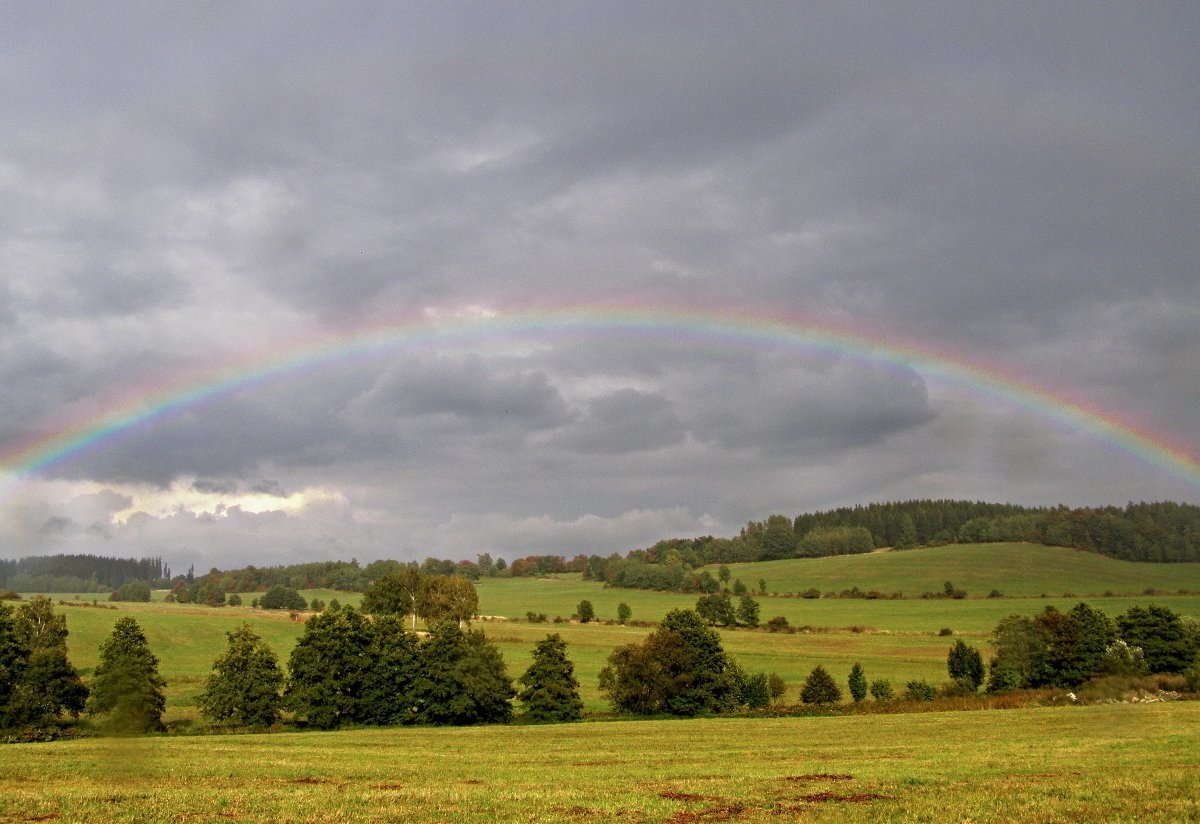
[{"x": 718, "y": 326}]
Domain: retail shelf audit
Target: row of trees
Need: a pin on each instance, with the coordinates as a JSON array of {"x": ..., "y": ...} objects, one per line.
[
  {"x": 348, "y": 668},
  {"x": 79, "y": 573},
  {"x": 1067, "y": 648}
]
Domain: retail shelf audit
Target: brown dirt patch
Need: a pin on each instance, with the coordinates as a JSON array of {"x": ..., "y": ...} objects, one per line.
[
  {"x": 727, "y": 812},
  {"x": 820, "y": 777},
  {"x": 308, "y": 779},
  {"x": 829, "y": 797},
  {"x": 677, "y": 796}
]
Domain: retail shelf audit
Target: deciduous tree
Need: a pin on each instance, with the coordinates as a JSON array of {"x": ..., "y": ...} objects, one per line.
[
  {"x": 965, "y": 665},
  {"x": 244, "y": 686},
  {"x": 329, "y": 669},
  {"x": 462, "y": 679}
]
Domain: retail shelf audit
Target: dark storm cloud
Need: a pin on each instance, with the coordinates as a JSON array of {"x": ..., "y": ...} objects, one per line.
[{"x": 185, "y": 185}]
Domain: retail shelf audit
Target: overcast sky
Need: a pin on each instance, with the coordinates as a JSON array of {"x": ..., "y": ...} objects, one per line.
[{"x": 187, "y": 184}]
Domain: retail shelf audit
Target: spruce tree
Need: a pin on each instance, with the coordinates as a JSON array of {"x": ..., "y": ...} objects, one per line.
[
  {"x": 550, "y": 691},
  {"x": 858, "y": 683},
  {"x": 128, "y": 690}
]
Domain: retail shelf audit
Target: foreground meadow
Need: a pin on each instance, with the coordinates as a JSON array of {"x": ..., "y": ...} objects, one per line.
[{"x": 1098, "y": 763}]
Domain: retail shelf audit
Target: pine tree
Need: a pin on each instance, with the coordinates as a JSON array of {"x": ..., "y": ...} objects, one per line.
[
  {"x": 128, "y": 689},
  {"x": 550, "y": 691}
]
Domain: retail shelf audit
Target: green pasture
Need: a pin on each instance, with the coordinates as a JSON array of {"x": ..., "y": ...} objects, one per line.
[
  {"x": 1080, "y": 764},
  {"x": 897, "y": 640},
  {"x": 1013, "y": 569},
  {"x": 894, "y": 639}
]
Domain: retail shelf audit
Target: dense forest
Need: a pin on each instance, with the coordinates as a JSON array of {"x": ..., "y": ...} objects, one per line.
[
  {"x": 1154, "y": 532},
  {"x": 79, "y": 573}
]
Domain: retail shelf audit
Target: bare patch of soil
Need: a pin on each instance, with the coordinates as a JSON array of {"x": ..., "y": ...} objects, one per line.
[{"x": 820, "y": 777}]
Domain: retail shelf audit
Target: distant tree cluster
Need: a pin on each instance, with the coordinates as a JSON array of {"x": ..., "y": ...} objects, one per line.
[
  {"x": 1138, "y": 532},
  {"x": 135, "y": 591},
  {"x": 79, "y": 573},
  {"x": 408, "y": 591},
  {"x": 1067, "y": 648},
  {"x": 201, "y": 591},
  {"x": 348, "y": 669},
  {"x": 679, "y": 669}
]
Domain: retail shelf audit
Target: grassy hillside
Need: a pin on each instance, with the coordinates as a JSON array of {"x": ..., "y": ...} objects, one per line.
[
  {"x": 897, "y": 640},
  {"x": 1085, "y": 764},
  {"x": 1013, "y": 569}
]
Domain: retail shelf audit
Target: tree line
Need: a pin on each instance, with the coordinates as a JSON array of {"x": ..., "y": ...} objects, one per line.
[
  {"x": 1156, "y": 532},
  {"x": 79, "y": 573},
  {"x": 353, "y": 668}
]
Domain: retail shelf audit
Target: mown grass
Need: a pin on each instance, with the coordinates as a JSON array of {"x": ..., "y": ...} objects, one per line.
[{"x": 1078, "y": 764}]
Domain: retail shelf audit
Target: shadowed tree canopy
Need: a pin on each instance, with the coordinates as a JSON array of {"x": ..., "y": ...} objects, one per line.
[
  {"x": 680, "y": 668},
  {"x": 329, "y": 670},
  {"x": 244, "y": 686},
  {"x": 549, "y": 689},
  {"x": 127, "y": 691}
]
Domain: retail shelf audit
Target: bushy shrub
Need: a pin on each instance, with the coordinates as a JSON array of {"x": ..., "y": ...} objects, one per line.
[
  {"x": 777, "y": 687},
  {"x": 965, "y": 665},
  {"x": 281, "y": 597},
  {"x": 919, "y": 691},
  {"x": 820, "y": 688},
  {"x": 1122, "y": 659},
  {"x": 756, "y": 690},
  {"x": 881, "y": 690},
  {"x": 778, "y": 624}
]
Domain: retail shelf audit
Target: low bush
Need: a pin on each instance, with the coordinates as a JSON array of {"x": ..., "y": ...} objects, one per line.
[{"x": 919, "y": 691}]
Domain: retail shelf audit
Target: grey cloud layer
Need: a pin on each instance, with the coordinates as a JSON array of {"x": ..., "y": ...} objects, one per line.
[{"x": 1016, "y": 182}]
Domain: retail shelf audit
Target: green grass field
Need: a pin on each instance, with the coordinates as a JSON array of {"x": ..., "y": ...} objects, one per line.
[
  {"x": 1096, "y": 763},
  {"x": 1013, "y": 569},
  {"x": 1072, "y": 764},
  {"x": 899, "y": 641}
]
